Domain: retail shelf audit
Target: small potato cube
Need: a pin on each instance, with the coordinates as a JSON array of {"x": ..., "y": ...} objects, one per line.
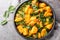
[
  {"x": 42, "y": 5},
  {"x": 41, "y": 24},
  {"x": 46, "y": 14},
  {"x": 39, "y": 35},
  {"x": 41, "y": 9},
  {"x": 30, "y": 11},
  {"x": 34, "y": 30},
  {"x": 20, "y": 28},
  {"x": 34, "y": 2},
  {"x": 33, "y": 18},
  {"x": 47, "y": 21},
  {"x": 27, "y": 8},
  {"x": 25, "y": 31},
  {"x": 43, "y": 32},
  {"x": 27, "y": 18},
  {"x": 32, "y": 23},
  {"x": 49, "y": 26},
  {"x": 17, "y": 19},
  {"x": 48, "y": 9}
]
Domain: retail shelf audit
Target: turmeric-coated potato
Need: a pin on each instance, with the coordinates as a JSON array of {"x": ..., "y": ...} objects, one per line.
[
  {"x": 34, "y": 30},
  {"x": 25, "y": 31},
  {"x": 41, "y": 24},
  {"x": 20, "y": 28},
  {"x": 32, "y": 23},
  {"x": 47, "y": 14},
  {"x": 17, "y": 19},
  {"x": 30, "y": 11},
  {"x": 48, "y": 9},
  {"x": 34, "y": 2},
  {"x": 43, "y": 32},
  {"x": 27, "y": 8},
  {"x": 42, "y": 5},
  {"x": 47, "y": 21},
  {"x": 39, "y": 35},
  {"x": 33, "y": 18},
  {"x": 49, "y": 26},
  {"x": 27, "y": 18}
]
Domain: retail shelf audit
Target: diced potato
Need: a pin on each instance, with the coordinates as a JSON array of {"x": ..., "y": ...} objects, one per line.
[
  {"x": 34, "y": 2},
  {"x": 27, "y": 8},
  {"x": 43, "y": 32},
  {"x": 20, "y": 28},
  {"x": 17, "y": 19},
  {"x": 46, "y": 14},
  {"x": 49, "y": 26},
  {"x": 27, "y": 18},
  {"x": 33, "y": 18},
  {"x": 47, "y": 21},
  {"x": 41, "y": 9},
  {"x": 25, "y": 31},
  {"x": 30, "y": 11},
  {"x": 34, "y": 30},
  {"x": 17, "y": 15},
  {"x": 42, "y": 5},
  {"x": 39, "y": 35},
  {"x": 32, "y": 23},
  {"x": 41, "y": 24},
  {"x": 48, "y": 9}
]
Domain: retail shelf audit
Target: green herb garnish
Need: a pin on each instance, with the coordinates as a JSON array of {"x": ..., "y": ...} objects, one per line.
[{"x": 4, "y": 22}]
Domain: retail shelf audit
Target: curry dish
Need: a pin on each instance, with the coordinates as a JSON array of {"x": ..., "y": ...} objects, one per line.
[{"x": 34, "y": 19}]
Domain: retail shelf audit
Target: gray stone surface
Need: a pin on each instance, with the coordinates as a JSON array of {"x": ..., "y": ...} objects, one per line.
[{"x": 8, "y": 32}]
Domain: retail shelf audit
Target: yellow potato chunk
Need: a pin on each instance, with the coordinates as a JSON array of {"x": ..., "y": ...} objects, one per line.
[
  {"x": 33, "y": 18},
  {"x": 25, "y": 31},
  {"x": 49, "y": 26},
  {"x": 27, "y": 18},
  {"x": 30, "y": 11},
  {"x": 41, "y": 9},
  {"x": 32, "y": 23},
  {"x": 18, "y": 18},
  {"x": 20, "y": 28},
  {"x": 33, "y": 31},
  {"x": 47, "y": 21},
  {"x": 41, "y": 24},
  {"x": 48, "y": 9},
  {"x": 39, "y": 35},
  {"x": 43, "y": 32},
  {"x": 42, "y": 5},
  {"x": 46, "y": 14},
  {"x": 27, "y": 8},
  {"x": 34, "y": 2}
]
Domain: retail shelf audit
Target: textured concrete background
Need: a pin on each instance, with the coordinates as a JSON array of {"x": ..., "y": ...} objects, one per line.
[{"x": 8, "y": 32}]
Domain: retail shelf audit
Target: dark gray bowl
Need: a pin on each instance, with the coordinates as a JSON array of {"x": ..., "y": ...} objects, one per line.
[{"x": 51, "y": 31}]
